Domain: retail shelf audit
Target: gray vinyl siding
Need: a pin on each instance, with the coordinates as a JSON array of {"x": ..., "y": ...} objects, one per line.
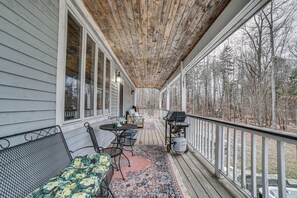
[
  {"x": 28, "y": 69},
  {"x": 114, "y": 93},
  {"x": 28, "y": 61}
]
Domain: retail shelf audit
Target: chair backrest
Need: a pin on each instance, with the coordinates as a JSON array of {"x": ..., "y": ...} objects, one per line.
[
  {"x": 90, "y": 130},
  {"x": 131, "y": 112},
  {"x": 29, "y": 159}
]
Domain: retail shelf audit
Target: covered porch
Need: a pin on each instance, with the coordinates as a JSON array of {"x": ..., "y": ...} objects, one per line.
[{"x": 67, "y": 62}]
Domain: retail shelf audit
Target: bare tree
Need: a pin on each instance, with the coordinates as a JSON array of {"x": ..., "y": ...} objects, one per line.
[{"x": 279, "y": 18}]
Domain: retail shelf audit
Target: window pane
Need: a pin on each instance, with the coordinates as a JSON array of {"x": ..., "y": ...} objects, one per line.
[
  {"x": 100, "y": 82},
  {"x": 73, "y": 69},
  {"x": 107, "y": 86},
  {"x": 89, "y": 77}
]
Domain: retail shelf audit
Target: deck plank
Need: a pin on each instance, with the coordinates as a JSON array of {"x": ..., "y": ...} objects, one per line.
[
  {"x": 195, "y": 183},
  {"x": 199, "y": 169},
  {"x": 191, "y": 192}
]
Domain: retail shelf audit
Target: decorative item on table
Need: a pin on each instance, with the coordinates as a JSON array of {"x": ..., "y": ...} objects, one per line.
[{"x": 117, "y": 121}]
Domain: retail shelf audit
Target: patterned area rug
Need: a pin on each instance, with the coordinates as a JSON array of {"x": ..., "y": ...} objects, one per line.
[{"x": 150, "y": 175}]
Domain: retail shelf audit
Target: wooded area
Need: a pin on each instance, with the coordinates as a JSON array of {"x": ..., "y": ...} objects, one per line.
[{"x": 252, "y": 76}]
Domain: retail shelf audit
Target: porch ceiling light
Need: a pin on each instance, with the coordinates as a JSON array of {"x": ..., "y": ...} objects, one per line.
[{"x": 118, "y": 77}]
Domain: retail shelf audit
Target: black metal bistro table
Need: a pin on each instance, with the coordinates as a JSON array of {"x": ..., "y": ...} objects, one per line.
[{"x": 118, "y": 131}]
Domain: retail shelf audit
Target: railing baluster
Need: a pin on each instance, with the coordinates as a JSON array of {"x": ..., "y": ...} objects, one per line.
[
  {"x": 212, "y": 142},
  {"x": 234, "y": 155},
  {"x": 203, "y": 122},
  {"x": 265, "y": 167},
  {"x": 192, "y": 128},
  {"x": 200, "y": 136},
  {"x": 205, "y": 139},
  {"x": 228, "y": 151},
  {"x": 281, "y": 169},
  {"x": 195, "y": 130},
  {"x": 253, "y": 165},
  {"x": 243, "y": 160},
  {"x": 196, "y": 134},
  {"x": 190, "y": 132},
  {"x": 208, "y": 142},
  {"x": 223, "y": 148},
  {"x": 218, "y": 151}
]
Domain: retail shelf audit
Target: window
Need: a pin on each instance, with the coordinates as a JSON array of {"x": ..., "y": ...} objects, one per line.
[
  {"x": 100, "y": 75},
  {"x": 73, "y": 70},
  {"x": 88, "y": 85},
  {"x": 107, "y": 85},
  {"x": 89, "y": 77}
]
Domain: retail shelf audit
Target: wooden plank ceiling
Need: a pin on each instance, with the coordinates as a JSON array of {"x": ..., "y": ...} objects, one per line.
[{"x": 151, "y": 37}]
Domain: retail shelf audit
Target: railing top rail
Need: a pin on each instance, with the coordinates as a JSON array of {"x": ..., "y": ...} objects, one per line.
[{"x": 266, "y": 131}]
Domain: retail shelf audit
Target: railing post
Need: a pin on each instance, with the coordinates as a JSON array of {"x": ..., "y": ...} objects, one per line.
[
  {"x": 243, "y": 159},
  {"x": 281, "y": 169},
  {"x": 228, "y": 151},
  {"x": 264, "y": 166},
  {"x": 218, "y": 159},
  {"x": 254, "y": 165},
  {"x": 235, "y": 155}
]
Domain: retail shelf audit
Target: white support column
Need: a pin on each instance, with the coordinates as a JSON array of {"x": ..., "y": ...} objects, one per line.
[
  {"x": 168, "y": 97},
  {"x": 183, "y": 91}
]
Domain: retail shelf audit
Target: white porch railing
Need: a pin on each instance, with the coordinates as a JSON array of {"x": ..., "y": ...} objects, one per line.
[{"x": 252, "y": 158}]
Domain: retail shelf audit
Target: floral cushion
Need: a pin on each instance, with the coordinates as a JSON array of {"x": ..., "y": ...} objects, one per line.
[{"x": 81, "y": 178}]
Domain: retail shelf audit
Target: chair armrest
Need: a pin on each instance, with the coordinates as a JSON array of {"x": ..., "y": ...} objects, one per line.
[{"x": 101, "y": 148}]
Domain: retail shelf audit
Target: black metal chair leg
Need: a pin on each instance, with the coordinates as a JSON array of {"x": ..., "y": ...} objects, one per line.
[
  {"x": 127, "y": 159},
  {"x": 112, "y": 195},
  {"x": 115, "y": 163},
  {"x": 132, "y": 150},
  {"x": 120, "y": 167}
]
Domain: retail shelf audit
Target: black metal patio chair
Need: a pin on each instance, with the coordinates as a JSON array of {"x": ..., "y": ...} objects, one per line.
[{"x": 113, "y": 151}]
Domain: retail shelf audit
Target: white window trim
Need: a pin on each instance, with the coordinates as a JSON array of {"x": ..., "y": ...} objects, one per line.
[
  {"x": 66, "y": 7},
  {"x": 104, "y": 88},
  {"x": 104, "y": 77}
]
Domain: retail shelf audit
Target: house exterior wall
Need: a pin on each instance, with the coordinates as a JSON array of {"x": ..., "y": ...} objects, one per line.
[
  {"x": 28, "y": 61},
  {"x": 29, "y": 50}
]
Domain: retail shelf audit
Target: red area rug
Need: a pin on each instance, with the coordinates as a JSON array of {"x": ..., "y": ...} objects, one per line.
[{"x": 150, "y": 175}]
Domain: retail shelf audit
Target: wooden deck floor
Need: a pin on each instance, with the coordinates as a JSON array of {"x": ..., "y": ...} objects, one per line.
[{"x": 197, "y": 180}]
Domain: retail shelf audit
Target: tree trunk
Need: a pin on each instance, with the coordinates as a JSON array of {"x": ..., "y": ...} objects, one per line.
[{"x": 273, "y": 63}]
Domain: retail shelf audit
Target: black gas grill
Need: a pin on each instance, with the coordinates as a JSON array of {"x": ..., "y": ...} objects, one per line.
[{"x": 175, "y": 120}]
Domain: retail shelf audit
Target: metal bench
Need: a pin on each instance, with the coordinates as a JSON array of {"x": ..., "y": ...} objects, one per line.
[{"x": 29, "y": 160}]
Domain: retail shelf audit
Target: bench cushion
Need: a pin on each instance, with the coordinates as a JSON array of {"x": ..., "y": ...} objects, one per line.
[{"x": 81, "y": 178}]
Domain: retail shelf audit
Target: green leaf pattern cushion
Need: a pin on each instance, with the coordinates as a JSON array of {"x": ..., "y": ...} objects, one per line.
[{"x": 81, "y": 178}]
